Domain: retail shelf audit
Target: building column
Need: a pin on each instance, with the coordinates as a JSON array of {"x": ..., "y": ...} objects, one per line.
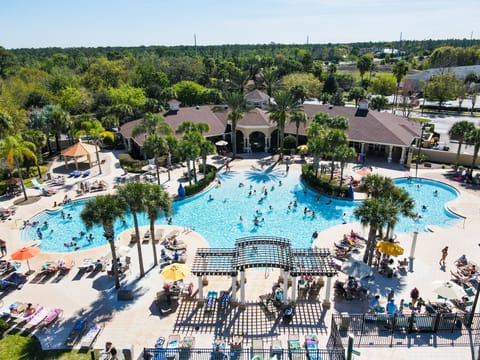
[
  {"x": 326, "y": 301},
  {"x": 402, "y": 157},
  {"x": 201, "y": 299},
  {"x": 390, "y": 149},
  {"x": 294, "y": 289},
  {"x": 267, "y": 143},
  {"x": 234, "y": 288},
  {"x": 242, "y": 287},
  {"x": 362, "y": 148},
  {"x": 245, "y": 144},
  {"x": 285, "y": 287}
]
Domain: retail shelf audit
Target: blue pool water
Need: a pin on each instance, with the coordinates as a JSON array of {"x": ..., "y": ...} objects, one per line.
[{"x": 218, "y": 219}]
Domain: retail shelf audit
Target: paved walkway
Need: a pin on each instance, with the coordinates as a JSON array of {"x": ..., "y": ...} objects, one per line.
[{"x": 138, "y": 323}]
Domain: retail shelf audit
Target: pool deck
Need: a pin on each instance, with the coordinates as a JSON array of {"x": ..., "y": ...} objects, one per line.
[{"x": 135, "y": 324}]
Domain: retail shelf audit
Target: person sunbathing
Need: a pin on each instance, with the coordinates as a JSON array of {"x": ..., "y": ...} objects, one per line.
[
  {"x": 30, "y": 310},
  {"x": 461, "y": 261}
]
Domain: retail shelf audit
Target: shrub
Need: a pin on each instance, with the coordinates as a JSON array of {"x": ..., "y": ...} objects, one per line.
[
  {"x": 322, "y": 184},
  {"x": 3, "y": 326},
  {"x": 130, "y": 164},
  {"x": 203, "y": 183}
]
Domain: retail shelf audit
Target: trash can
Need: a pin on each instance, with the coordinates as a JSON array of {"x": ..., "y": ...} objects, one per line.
[{"x": 345, "y": 323}]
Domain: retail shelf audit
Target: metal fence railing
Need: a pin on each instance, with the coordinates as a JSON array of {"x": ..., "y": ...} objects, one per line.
[
  {"x": 384, "y": 329},
  {"x": 242, "y": 354}
]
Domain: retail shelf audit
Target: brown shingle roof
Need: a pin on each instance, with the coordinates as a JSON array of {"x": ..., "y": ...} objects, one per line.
[
  {"x": 364, "y": 126},
  {"x": 256, "y": 95}
]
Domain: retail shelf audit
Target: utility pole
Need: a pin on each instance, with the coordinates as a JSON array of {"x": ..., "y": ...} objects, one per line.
[{"x": 195, "y": 43}]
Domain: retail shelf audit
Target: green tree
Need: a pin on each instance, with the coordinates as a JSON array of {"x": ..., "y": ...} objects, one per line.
[
  {"x": 206, "y": 148},
  {"x": 127, "y": 97},
  {"x": 133, "y": 194},
  {"x": 6, "y": 124},
  {"x": 399, "y": 70},
  {"x": 383, "y": 84},
  {"x": 59, "y": 121},
  {"x": 441, "y": 88},
  {"x": 378, "y": 102},
  {"x": 302, "y": 85},
  {"x": 189, "y": 151},
  {"x": 105, "y": 210},
  {"x": 280, "y": 112},
  {"x": 39, "y": 139},
  {"x": 156, "y": 146},
  {"x": 95, "y": 132},
  {"x": 15, "y": 151},
  {"x": 459, "y": 131},
  {"x": 237, "y": 109},
  {"x": 473, "y": 138},
  {"x": 344, "y": 154},
  {"x": 298, "y": 117},
  {"x": 334, "y": 139},
  {"x": 189, "y": 93},
  {"x": 156, "y": 202},
  {"x": 376, "y": 185},
  {"x": 400, "y": 203},
  {"x": 330, "y": 86},
  {"x": 269, "y": 79},
  {"x": 357, "y": 93},
  {"x": 316, "y": 132},
  {"x": 365, "y": 64}
]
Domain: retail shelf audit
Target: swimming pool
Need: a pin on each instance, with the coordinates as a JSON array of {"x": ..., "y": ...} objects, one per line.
[{"x": 227, "y": 212}]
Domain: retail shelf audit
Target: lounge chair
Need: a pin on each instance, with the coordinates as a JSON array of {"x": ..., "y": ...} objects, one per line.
[
  {"x": 276, "y": 349},
  {"x": 90, "y": 335},
  {"x": 14, "y": 280},
  {"x": 85, "y": 265},
  {"x": 65, "y": 266},
  {"x": 76, "y": 332},
  {"x": 38, "y": 317},
  {"x": 257, "y": 349},
  {"x": 52, "y": 316},
  {"x": 311, "y": 344},
  {"x": 224, "y": 299},
  {"x": 188, "y": 291},
  {"x": 218, "y": 350},
  {"x": 210, "y": 304},
  {"x": 294, "y": 347},
  {"x": 49, "y": 268},
  {"x": 236, "y": 344},
  {"x": 25, "y": 317},
  {"x": 173, "y": 347}
]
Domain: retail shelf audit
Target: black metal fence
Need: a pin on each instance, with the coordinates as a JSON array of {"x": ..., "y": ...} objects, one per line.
[
  {"x": 387, "y": 330},
  {"x": 242, "y": 354}
]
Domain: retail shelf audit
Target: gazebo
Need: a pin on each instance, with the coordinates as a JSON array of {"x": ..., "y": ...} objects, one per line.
[
  {"x": 263, "y": 251},
  {"x": 77, "y": 150}
]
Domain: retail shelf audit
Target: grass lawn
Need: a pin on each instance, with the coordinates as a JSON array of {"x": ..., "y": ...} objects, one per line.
[{"x": 18, "y": 347}]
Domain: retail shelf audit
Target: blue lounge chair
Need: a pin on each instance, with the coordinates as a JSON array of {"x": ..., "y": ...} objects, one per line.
[
  {"x": 311, "y": 343},
  {"x": 86, "y": 173},
  {"x": 76, "y": 332},
  {"x": 211, "y": 297}
]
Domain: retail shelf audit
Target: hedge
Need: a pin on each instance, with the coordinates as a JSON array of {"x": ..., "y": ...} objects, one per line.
[
  {"x": 322, "y": 184},
  {"x": 130, "y": 164},
  {"x": 202, "y": 183}
]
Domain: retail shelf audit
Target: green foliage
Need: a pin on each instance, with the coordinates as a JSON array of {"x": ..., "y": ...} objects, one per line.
[
  {"x": 383, "y": 84},
  {"x": 306, "y": 80},
  {"x": 322, "y": 184},
  {"x": 378, "y": 102},
  {"x": 289, "y": 142},
  {"x": 130, "y": 164},
  {"x": 442, "y": 87},
  {"x": 127, "y": 95},
  {"x": 3, "y": 326},
  {"x": 189, "y": 93},
  {"x": 203, "y": 183}
]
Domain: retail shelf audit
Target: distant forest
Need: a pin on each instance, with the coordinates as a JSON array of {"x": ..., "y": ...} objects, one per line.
[{"x": 60, "y": 88}]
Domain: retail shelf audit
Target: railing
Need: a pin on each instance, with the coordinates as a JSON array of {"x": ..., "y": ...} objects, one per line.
[
  {"x": 384, "y": 329},
  {"x": 241, "y": 354}
]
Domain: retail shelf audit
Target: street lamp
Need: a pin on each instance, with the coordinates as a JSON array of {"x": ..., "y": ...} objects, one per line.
[{"x": 420, "y": 144}]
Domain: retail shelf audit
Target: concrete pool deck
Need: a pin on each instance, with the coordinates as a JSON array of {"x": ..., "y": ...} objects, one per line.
[{"x": 138, "y": 323}]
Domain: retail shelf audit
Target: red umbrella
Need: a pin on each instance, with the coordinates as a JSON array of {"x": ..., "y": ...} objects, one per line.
[{"x": 25, "y": 254}]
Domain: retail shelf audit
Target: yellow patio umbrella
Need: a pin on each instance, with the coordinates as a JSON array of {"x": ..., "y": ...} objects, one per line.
[
  {"x": 175, "y": 272},
  {"x": 389, "y": 248},
  {"x": 303, "y": 148}
]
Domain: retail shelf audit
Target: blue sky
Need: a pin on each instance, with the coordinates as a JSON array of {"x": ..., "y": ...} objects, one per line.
[{"x": 66, "y": 23}]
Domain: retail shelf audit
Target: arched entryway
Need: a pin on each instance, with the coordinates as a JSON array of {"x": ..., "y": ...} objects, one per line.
[{"x": 257, "y": 141}]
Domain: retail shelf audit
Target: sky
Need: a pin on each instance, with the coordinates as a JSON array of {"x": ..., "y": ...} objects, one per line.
[{"x": 92, "y": 23}]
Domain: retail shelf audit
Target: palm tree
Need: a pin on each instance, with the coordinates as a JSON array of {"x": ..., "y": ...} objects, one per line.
[
  {"x": 334, "y": 139},
  {"x": 237, "y": 109},
  {"x": 132, "y": 194},
  {"x": 156, "y": 146},
  {"x": 401, "y": 203},
  {"x": 95, "y": 131},
  {"x": 338, "y": 122},
  {"x": 104, "y": 210},
  {"x": 206, "y": 148},
  {"x": 59, "y": 121},
  {"x": 315, "y": 132},
  {"x": 6, "y": 124},
  {"x": 473, "y": 138},
  {"x": 372, "y": 213},
  {"x": 399, "y": 70},
  {"x": 344, "y": 153},
  {"x": 298, "y": 117},
  {"x": 15, "y": 150},
  {"x": 459, "y": 131},
  {"x": 270, "y": 81},
  {"x": 39, "y": 139},
  {"x": 156, "y": 202},
  {"x": 377, "y": 185},
  {"x": 188, "y": 151},
  {"x": 284, "y": 106}
]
